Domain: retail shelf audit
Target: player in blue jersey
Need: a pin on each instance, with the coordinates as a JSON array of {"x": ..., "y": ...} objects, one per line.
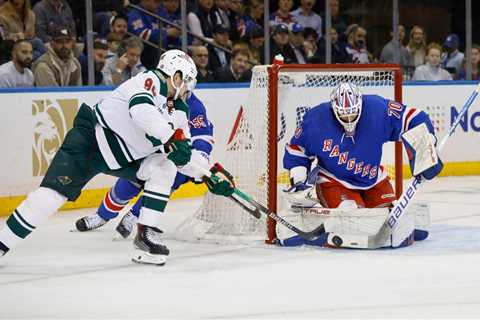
[
  {"x": 123, "y": 191},
  {"x": 345, "y": 136}
]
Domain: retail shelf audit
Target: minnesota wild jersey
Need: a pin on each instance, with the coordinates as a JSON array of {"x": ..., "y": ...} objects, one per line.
[{"x": 136, "y": 119}]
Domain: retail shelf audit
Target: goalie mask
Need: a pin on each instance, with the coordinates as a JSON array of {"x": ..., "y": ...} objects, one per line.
[
  {"x": 174, "y": 61},
  {"x": 346, "y": 101}
]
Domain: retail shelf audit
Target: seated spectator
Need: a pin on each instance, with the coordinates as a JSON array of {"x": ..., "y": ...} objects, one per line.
[
  {"x": 50, "y": 15},
  {"x": 339, "y": 20},
  {"x": 148, "y": 28},
  {"x": 17, "y": 21},
  {"x": 256, "y": 47},
  {"x": 16, "y": 73},
  {"x": 222, "y": 13},
  {"x": 170, "y": 11},
  {"x": 218, "y": 58},
  {"x": 125, "y": 64},
  {"x": 119, "y": 26},
  {"x": 280, "y": 44},
  {"x": 297, "y": 42},
  {"x": 307, "y": 18},
  {"x": 113, "y": 42},
  {"x": 237, "y": 70},
  {"x": 105, "y": 12},
  {"x": 475, "y": 64},
  {"x": 200, "y": 57},
  {"x": 387, "y": 55},
  {"x": 58, "y": 67},
  {"x": 417, "y": 46},
  {"x": 339, "y": 52},
  {"x": 283, "y": 15},
  {"x": 100, "y": 48},
  {"x": 432, "y": 70},
  {"x": 201, "y": 20},
  {"x": 252, "y": 19},
  {"x": 452, "y": 58},
  {"x": 357, "y": 44}
]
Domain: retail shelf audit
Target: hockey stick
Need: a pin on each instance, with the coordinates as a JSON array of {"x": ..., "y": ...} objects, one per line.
[
  {"x": 405, "y": 199},
  {"x": 261, "y": 208}
]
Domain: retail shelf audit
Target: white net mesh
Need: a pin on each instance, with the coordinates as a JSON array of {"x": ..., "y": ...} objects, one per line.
[{"x": 221, "y": 219}]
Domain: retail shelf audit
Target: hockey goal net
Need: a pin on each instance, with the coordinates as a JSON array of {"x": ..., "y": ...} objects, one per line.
[{"x": 278, "y": 97}]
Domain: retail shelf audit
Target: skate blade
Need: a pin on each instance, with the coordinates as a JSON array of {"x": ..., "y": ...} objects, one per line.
[{"x": 143, "y": 257}]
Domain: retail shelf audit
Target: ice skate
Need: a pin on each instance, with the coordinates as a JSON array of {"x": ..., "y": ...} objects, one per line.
[
  {"x": 90, "y": 222},
  {"x": 149, "y": 248},
  {"x": 127, "y": 224}
]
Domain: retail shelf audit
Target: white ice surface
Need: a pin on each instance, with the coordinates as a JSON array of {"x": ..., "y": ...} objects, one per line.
[{"x": 60, "y": 274}]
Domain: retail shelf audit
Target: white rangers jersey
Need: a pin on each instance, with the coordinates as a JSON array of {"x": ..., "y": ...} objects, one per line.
[{"x": 135, "y": 121}]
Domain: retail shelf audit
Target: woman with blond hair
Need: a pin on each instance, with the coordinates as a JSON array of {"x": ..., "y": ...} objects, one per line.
[
  {"x": 417, "y": 45},
  {"x": 17, "y": 22},
  {"x": 432, "y": 70}
]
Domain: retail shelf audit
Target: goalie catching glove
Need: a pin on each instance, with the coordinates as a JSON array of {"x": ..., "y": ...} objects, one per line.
[
  {"x": 219, "y": 186},
  {"x": 420, "y": 145},
  {"x": 178, "y": 148}
]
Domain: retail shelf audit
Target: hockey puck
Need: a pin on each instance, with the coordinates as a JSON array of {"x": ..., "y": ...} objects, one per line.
[{"x": 337, "y": 241}]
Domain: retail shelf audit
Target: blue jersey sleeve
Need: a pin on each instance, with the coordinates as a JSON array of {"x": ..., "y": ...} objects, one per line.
[
  {"x": 297, "y": 152},
  {"x": 201, "y": 128},
  {"x": 401, "y": 118}
]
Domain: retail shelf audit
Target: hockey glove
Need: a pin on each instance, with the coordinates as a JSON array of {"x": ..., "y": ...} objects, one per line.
[
  {"x": 220, "y": 187},
  {"x": 178, "y": 148}
]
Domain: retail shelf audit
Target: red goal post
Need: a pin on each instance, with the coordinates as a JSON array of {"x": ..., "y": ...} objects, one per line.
[{"x": 273, "y": 88}]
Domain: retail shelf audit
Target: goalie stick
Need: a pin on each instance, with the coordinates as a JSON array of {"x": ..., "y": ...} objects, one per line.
[
  {"x": 405, "y": 199},
  {"x": 259, "y": 208}
]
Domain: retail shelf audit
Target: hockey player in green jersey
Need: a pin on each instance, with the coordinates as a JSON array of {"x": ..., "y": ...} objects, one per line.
[{"x": 138, "y": 132}]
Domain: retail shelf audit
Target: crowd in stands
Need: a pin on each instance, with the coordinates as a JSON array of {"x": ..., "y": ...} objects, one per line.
[{"x": 42, "y": 42}]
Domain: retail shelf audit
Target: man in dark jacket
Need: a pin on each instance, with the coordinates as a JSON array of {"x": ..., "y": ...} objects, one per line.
[
  {"x": 218, "y": 58},
  {"x": 237, "y": 70}
]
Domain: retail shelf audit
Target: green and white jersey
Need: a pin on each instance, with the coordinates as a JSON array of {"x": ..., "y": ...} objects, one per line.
[{"x": 134, "y": 121}]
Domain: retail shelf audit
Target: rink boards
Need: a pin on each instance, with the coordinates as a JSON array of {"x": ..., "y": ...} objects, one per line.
[{"x": 33, "y": 123}]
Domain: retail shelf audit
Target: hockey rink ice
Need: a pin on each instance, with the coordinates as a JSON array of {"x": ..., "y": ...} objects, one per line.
[{"x": 61, "y": 274}]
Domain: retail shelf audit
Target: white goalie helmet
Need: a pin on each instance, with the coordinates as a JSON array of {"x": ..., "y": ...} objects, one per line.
[
  {"x": 346, "y": 101},
  {"x": 174, "y": 61}
]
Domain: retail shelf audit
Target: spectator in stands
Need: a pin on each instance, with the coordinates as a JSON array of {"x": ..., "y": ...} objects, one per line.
[
  {"x": 50, "y": 15},
  {"x": 16, "y": 73},
  {"x": 417, "y": 46},
  {"x": 119, "y": 26},
  {"x": 256, "y": 44},
  {"x": 170, "y": 11},
  {"x": 339, "y": 20},
  {"x": 283, "y": 15},
  {"x": 100, "y": 49},
  {"x": 254, "y": 16},
  {"x": 307, "y": 18},
  {"x": 113, "y": 42},
  {"x": 105, "y": 12},
  {"x": 452, "y": 58},
  {"x": 387, "y": 55},
  {"x": 475, "y": 53},
  {"x": 17, "y": 22},
  {"x": 202, "y": 20},
  {"x": 432, "y": 70},
  {"x": 280, "y": 44},
  {"x": 125, "y": 64},
  {"x": 58, "y": 67},
  {"x": 339, "y": 52},
  {"x": 200, "y": 57},
  {"x": 218, "y": 58},
  {"x": 237, "y": 70},
  {"x": 222, "y": 13},
  {"x": 357, "y": 44},
  {"x": 148, "y": 28},
  {"x": 237, "y": 12},
  {"x": 297, "y": 43}
]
